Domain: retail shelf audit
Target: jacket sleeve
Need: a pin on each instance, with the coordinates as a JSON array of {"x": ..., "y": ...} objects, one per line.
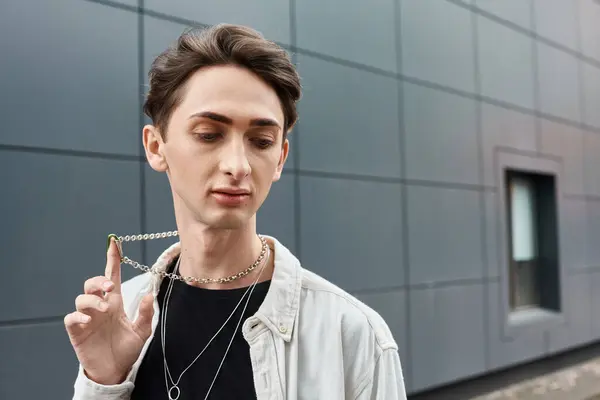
[
  {"x": 86, "y": 389},
  {"x": 387, "y": 381}
]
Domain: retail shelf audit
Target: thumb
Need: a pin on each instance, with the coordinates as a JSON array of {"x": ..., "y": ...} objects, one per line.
[{"x": 143, "y": 323}]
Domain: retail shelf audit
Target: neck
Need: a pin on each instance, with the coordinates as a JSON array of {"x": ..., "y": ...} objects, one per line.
[{"x": 217, "y": 253}]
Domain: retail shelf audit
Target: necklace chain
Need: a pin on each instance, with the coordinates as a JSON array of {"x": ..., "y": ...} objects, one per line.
[
  {"x": 173, "y": 390},
  {"x": 188, "y": 279}
]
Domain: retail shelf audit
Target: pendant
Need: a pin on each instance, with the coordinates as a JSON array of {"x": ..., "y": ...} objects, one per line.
[{"x": 175, "y": 389}]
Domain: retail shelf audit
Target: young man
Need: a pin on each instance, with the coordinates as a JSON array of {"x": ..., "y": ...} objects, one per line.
[{"x": 225, "y": 313}]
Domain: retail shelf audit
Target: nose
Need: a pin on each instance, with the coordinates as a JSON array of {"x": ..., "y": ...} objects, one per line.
[{"x": 234, "y": 161}]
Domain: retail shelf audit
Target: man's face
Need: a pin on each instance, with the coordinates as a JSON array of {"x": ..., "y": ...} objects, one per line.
[{"x": 223, "y": 148}]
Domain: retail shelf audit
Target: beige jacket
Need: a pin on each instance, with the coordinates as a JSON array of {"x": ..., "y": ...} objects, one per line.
[{"x": 309, "y": 340}]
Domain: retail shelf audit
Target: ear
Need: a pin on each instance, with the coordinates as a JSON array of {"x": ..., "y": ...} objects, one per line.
[
  {"x": 283, "y": 156},
  {"x": 154, "y": 148}
]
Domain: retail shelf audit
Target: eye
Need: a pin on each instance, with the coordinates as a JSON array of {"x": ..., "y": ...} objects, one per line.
[
  {"x": 208, "y": 137},
  {"x": 262, "y": 143}
]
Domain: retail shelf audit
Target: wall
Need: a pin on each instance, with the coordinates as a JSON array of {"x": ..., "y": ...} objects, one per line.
[{"x": 407, "y": 105}]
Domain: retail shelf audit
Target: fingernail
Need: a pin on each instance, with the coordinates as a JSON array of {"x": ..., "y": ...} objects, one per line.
[
  {"x": 85, "y": 318},
  {"x": 103, "y": 306},
  {"x": 108, "y": 240},
  {"x": 107, "y": 285}
]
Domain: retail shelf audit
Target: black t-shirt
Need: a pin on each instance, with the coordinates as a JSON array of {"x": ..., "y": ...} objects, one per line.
[{"x": 194, "y": 316}]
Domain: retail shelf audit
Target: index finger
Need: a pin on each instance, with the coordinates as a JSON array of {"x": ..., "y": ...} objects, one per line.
[{"x": 113, "y": 263}]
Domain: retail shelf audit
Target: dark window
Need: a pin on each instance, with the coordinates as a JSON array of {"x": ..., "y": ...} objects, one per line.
[{"x": 533, "y": 240}]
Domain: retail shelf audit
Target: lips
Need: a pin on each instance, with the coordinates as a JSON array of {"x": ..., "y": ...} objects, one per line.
[
  {"x": 232, "y": 191},
  {"x": 230, "y": 197}
]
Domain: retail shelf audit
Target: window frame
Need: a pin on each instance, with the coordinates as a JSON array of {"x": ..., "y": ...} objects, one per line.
[{"x": 513, "y": 322}]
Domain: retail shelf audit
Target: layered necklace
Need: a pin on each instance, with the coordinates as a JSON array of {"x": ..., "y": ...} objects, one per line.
[
  {"x": 172, "y": 385},
  {"x": 189, "y": 279}
]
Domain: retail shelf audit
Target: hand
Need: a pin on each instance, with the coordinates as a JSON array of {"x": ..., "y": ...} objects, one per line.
[{"x": 105, "y": 341}]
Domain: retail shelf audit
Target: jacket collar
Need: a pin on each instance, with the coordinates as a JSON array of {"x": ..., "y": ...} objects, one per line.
[{"x": 280, "y": 307}]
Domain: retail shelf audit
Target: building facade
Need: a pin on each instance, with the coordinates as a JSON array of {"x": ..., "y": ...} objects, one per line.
[{"x": 445, "y": 169}]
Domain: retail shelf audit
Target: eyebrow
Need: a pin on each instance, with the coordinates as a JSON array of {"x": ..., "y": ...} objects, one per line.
[{"x": 228, "y": 121}]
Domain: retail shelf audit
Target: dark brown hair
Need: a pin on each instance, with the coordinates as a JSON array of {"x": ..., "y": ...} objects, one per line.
[{"x": 221, "y": 44}]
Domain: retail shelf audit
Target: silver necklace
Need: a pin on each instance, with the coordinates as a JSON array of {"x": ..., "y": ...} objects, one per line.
[
  {"x": 188, "y": 279},
  {"x": 173, "y": 390}
]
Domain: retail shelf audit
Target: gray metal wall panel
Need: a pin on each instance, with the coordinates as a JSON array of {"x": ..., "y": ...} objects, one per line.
[
  {"x": 558, "y": 83},
  {"x": 270, "y": 17},
  {"x": 68, "y": 82},
  {"x": 591, "y": 94},
  {"x": 565, "y": 142},
  {"x": 57, "y": 211},
  {"x": 504, "y": 128},
  {"x": 440, "y": 136},
  {"x": 339, "y": 215},
  {"x": 591, "y": 163},
  {"x": 506, "y": 63},
  {"x": 446, "y": 321},
  {"x": 37, "y": 362},
  {"x": 437, "y": 39},
  {"x": 340, "y": 122},
  {"x": 338, "y": 28},
  {"x": 548, "y": 12},
  {"x": 444, "y": 234},
  {"x": 517, "y": 12},
  {"x": 589, "y": 14}
]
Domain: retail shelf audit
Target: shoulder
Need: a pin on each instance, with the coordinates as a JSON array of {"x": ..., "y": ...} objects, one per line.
[
  {"x": 335, "y": 311},
  {"x": 354, "y": 317}
]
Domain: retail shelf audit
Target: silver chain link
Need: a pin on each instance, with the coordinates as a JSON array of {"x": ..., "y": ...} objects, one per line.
[{"x": 189, "y": 279}]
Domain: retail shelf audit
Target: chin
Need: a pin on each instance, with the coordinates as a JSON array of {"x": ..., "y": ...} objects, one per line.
[{"x": 230, "y": 219}]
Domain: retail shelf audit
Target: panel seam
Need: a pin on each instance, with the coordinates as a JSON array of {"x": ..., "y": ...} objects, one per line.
[
  {"x": 482, "y": 194},
  {"x": 142, "y": 166},
  {"x": 403, "y": 189},
  {"x": 296, "y": 142}
]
